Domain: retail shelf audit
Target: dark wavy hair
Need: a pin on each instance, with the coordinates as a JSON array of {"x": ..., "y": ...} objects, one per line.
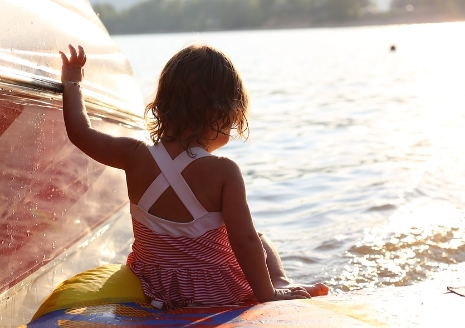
[{"x": 199, "y": 88}]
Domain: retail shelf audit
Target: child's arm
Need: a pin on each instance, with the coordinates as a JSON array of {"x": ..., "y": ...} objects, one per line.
[
  {"x": 245, "y": 241},
  {"x": 102, "y": 147}
]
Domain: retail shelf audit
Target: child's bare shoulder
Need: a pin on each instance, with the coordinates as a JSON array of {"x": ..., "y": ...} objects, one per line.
[
  {"x": 224, "y": 161},
  {"x": 226, "y": 166},
  {"x": 140, "y": 156}
]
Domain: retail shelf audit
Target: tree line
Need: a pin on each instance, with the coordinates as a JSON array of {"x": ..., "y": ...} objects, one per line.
[
  {"x": 154, "y": 16},
  {"x": 441, "y": 6}
]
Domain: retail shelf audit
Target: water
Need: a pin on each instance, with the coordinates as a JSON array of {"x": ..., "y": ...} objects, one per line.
[{"x": 355, "y": 166}]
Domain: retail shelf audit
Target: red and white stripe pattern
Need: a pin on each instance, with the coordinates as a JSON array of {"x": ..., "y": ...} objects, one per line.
[{"x": 179, "y": 270}]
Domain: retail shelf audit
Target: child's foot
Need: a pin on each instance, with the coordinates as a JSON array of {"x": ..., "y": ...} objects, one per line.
[{"x": 317, "y": 289}]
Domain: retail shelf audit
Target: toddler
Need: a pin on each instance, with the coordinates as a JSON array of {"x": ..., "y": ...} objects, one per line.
[{"x": 195, "y": 242}]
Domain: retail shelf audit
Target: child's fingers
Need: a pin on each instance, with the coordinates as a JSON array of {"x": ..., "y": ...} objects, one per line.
[
  {"x": 298, "y": 297},
  {"x": 63, "y": 56},
  {"x": 290, "y": 294},
  {"x": 302, "y": 293},
  {"x": 73, "y": 52},
  {"x": 81, "y": 58},
  {"x": 76, "y": 56}
]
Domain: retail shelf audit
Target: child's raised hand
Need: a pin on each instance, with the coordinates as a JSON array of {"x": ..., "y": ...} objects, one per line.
[{"x": 72, "y": 69}]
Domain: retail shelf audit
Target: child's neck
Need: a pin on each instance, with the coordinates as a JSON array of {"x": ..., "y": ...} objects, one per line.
[{"x": 175, "y": 147}]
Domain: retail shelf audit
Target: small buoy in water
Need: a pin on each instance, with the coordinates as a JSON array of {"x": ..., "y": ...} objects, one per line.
[{"x": 393, "y": 48}]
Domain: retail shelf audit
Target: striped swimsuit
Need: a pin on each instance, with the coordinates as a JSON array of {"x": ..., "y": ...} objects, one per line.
[{"x": 183, "y": 263}]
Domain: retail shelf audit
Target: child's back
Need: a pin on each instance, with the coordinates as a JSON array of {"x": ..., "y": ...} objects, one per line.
[
  {"x": 185, "y": 256},
  {"x": 205, "y": 177}
]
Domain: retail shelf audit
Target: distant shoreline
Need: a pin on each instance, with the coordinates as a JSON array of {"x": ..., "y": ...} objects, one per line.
[
  {"x": 405, "y": 19},
  {"x": 371, "y": 20}
]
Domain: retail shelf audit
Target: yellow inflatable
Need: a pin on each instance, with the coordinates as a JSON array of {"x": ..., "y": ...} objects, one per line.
[{"x": 112, "y": 283}]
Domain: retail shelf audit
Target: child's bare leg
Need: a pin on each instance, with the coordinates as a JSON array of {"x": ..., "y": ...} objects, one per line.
[
  {"x": 278, "y": 276},
  {"x": 274, "y": 263}
]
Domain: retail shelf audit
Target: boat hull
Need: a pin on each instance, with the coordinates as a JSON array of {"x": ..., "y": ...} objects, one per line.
[
  {"x": 53, "y": 196},
  {"x": 54, "y": 200},
  {"x": 52, "y": 193}
]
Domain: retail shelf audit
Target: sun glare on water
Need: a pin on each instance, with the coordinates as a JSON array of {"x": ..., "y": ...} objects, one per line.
[{"x": 425, "y": 232}]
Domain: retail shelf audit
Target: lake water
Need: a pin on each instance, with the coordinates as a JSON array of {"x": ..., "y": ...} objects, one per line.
[{"x": 355, "y": 166}]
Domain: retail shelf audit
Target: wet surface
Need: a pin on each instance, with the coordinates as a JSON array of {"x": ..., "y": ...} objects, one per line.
[{"x": 51, "y": 193}]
